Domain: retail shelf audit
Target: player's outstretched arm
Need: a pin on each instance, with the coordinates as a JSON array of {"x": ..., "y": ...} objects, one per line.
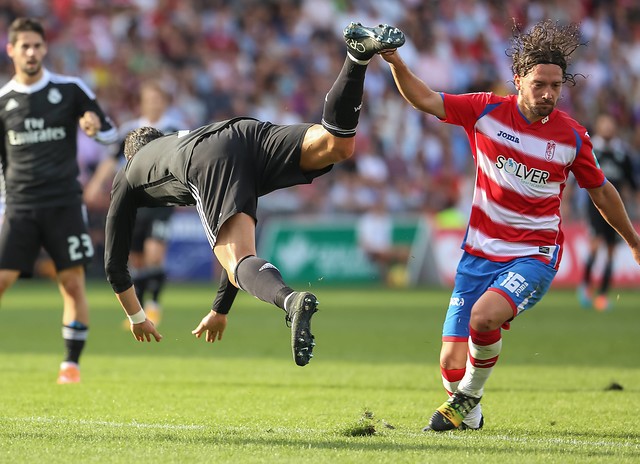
[
  {"x": 212, "y": 325},
  {"x": 608, "y": 201},
  {"x": 412, "y": 88},
  {"x": 141, "y": 327}
]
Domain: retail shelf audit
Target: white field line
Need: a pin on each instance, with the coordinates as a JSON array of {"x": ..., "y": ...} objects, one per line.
[
  {"x": 133, "y": 424},
  {"x": 552, "y": 441}
]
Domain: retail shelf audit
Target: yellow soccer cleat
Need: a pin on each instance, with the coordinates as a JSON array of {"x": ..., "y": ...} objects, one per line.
[{"x": 153, "y": 312}]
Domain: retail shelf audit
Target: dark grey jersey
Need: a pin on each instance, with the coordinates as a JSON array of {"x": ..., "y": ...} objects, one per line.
[
  {"x": 221, "y": 168},
  {"x": 39, "y": 153}
]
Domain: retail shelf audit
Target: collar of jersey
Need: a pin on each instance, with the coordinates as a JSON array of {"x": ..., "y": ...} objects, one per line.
[
  {"x": 36, "y": 86},
  {"x": 524, "y": 122}
]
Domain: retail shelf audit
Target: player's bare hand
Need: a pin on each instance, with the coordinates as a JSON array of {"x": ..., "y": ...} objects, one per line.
[
  {"x": 144, "y": 331},
  {"x": 212, "y": 325},
  {"x": 90, "y": 123}
]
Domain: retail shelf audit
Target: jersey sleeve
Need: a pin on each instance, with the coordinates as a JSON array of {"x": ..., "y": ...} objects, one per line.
[
  {"x": 465, "y": 109},
  {"x": 108, "y": 132},
  {"x": 226, "y": 295},
  {"x": 585, "y": 167},
  {"x": 118, "y": 232}
]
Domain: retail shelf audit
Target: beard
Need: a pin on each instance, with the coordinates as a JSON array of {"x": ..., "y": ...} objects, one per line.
[
  {"x": 542, "y": 110},
  {"x": 32, "y": 69}
]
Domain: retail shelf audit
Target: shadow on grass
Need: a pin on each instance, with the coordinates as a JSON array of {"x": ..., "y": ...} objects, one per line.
[{"x": 505, "y": 443}]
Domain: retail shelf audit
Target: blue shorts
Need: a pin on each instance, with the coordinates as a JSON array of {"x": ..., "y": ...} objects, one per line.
[{"x": 523, "y": 281}]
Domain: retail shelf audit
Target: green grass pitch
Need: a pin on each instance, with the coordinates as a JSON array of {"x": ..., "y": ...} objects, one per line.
[{"x": 372, "y": 386}]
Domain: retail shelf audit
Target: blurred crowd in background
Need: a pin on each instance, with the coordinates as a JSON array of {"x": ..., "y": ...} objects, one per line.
[{"x": 275, "y": 60}]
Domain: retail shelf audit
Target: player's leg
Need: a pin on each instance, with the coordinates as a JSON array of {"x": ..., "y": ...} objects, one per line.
[
  {"x": 235, "y": 249},
  {"x": 601, "y": 302},
  {"x": 453, "y": 361},
  {"x": 585, "y": 292},
  {"x": 518, "y": 286},
  {"x": 66, "y": 239},
  {"x": 141, "y": 231},
  {"x": 470, "y": 283},
  {"x": 155, "y": 271},
  {"x": 596, "y": 225},
  {"x": 154, "y": 252},
  {"x": 333, "y": 140},
  {"x": 483, "y": 351},
  {"x": 75, "y": 321},
  {"x": 7, "y": 278}
]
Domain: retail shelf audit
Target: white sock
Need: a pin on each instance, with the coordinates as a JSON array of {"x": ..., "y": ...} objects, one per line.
[{"x": 480, "y": 362}]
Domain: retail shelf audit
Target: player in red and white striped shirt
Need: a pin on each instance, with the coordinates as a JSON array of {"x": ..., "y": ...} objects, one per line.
[{"x": 524, "y": 149}]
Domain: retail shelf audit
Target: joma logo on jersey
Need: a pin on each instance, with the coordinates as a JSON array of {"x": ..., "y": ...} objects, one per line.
[
  {"x": 509, "y": 137},
  {"x": 524, "y": 173}
]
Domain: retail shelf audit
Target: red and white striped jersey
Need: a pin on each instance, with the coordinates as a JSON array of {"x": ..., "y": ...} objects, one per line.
[{"x": 521, "y": 171}]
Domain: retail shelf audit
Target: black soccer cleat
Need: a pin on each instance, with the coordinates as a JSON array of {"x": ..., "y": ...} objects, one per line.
[
  {"x": 451, "y": 414},
  {"x": 364, "y": 42},
  {"x": 303, "y": 305}
]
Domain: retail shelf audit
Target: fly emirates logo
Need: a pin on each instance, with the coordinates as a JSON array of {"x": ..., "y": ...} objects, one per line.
[
  {"x": 35, "y": 132},
  {"x": 526, "y": 175}
]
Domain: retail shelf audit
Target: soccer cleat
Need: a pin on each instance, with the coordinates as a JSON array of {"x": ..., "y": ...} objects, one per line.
[
  {"x": 69, "y": 373},
  {"x": 451, "y": 414},
  {"x": 364, "y": 42},
  {"x": 601, "y": 303},
  {"x": 584, "y": 296},
  {"x": 153, "y": 312},
  {"x": 303, "y": 305}
]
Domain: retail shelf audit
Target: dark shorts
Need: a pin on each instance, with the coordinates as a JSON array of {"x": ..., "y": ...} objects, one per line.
[
  {"x": 150, "y": 223},
  {"x": 231, "y": 168},
  {"x": 599, "y": 227},
  {"x": 61, "y": 231}
]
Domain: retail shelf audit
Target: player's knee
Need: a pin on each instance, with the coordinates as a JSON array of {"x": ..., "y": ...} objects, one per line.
[
  {"x": 72, "y": 285},
  {"x": 453, "y": 356},
  {"x": 341, "y": 149},
  {"x": 485, "y": 322}
]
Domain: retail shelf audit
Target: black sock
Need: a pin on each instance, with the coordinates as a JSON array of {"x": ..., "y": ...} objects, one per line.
[
  {"x": 587, "y": 269},
  {"x": 263, "y": 280},
  {"x": 606, "y": 278},
  {"x": 156, "y": 278},
  {"x": 140, "y": 285},
  {"x": 344, "y": 101},
  {"x": 75, "y": 336}
]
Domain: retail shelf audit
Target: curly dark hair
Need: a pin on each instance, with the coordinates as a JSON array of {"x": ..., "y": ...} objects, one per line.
[
  {"x": 136, "y": 139},
  {"x": 546, "y": 43}
]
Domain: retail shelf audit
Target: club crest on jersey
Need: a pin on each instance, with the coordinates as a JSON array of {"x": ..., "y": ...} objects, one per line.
[
  {"x": 550, "y": 151},
  {"x": 54, "y": 96}
]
